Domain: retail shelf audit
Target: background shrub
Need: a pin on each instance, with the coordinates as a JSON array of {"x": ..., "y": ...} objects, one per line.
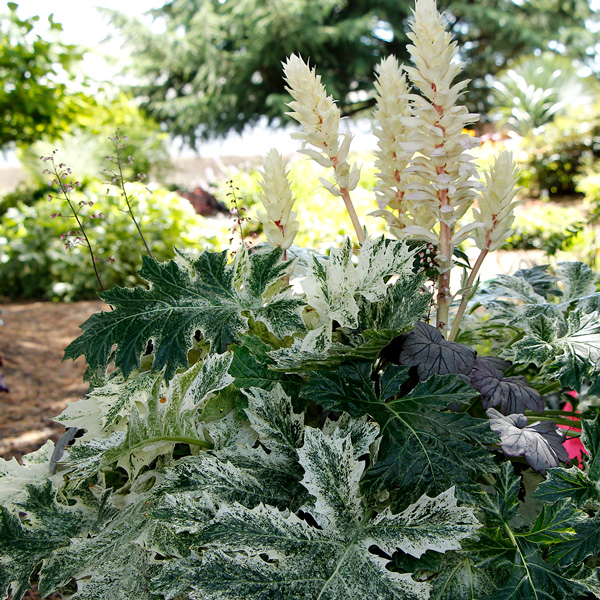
[{"x": 34, "y": 262}]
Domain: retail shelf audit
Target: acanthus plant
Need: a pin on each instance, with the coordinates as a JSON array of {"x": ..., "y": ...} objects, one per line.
[{"x": 297, "y": 429}]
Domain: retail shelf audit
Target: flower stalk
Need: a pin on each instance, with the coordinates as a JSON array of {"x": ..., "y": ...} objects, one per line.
[
  {"x": 60, "y": 174},
  {"x": 117, "y": 178},
  {"x": 320, "y": 120}
]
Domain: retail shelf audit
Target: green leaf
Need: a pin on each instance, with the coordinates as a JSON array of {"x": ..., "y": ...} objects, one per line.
[
  {"x": 532, "y": 577},
  {"x": 570, "y": 483},
  {"x": 555, "y": 524},
  {"x": 584, "y": 543},
  {"x": 579, "y": 485},
  {"x": 571, "y": 354},
  {"x": 423, "y": 449},
  {"x": 210, "y": 296},
  {"x": 523, "y": 552},
  {"x": 590, "y": 437},
  {"x": 251, "y": 368},
  {"x": 264, "y": 553},
  {"x": 156, "y": 420},
  {"x": 43, "y": 526}
]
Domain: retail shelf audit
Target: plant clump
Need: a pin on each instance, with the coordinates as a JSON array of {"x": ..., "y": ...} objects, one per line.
[{"x": 278, "y": 423}]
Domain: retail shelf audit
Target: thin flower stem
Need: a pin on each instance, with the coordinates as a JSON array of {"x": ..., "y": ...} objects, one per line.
[
  {"x": 560, "y": 413},
  {"x": 353, "y": 216},
  {"x": 568, "y": 422},
  {"x": 554, "y": 386},
  {"x": 125, "y": 195},
  {"x": 465, "y": 297},
  {"x": 81, "y": 225}
]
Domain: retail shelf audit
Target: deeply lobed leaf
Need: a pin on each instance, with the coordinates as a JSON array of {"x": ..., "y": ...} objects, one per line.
[{"x": 208, "y": 295}]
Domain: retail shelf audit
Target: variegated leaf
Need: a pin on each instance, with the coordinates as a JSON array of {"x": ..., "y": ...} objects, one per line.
[
  {"x": 15, "y": 477},
  {"x": 262, "y": 552},
  {"x": 40, "y": 526},
  {"x": 333, "y": 287},
  {"x": 208, "y": 295},
  {"x": 166, "y": 414}
]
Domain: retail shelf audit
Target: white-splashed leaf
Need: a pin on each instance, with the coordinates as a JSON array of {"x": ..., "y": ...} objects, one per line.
[
  {"x": 362, "y": 432},
  {"x": 15, "y": 477},
  {"x": 332, "y": 475},
  {"x": 167, "y": 416},
  {"x": 39, "y": 526},
  {"x": 107, "y": 408},
  {"x": 334, "y": 286},
  {"x": 272, "y": 417},
  {"x": 263, "y": 552}
]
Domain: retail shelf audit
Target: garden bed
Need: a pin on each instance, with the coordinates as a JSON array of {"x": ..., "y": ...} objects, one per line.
[{"x": 32, "y": 341}]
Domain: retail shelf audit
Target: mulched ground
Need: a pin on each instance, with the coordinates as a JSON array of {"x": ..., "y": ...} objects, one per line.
[{"x": 32, "y": 340}]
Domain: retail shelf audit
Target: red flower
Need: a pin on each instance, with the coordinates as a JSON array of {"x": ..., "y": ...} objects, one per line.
[{"x": 573, "y": 445}]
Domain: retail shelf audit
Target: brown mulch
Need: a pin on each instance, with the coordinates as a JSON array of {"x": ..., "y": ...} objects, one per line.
[{"x": 32, "y": 341}]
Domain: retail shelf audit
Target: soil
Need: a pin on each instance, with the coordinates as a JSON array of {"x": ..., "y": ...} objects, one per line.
[{"x": 32, "y": 341}]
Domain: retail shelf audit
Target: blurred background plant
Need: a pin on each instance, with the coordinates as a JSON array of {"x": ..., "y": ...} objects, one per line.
[
  {"x": 35, "y": 96},
  {"x": 34, "y": 262}
]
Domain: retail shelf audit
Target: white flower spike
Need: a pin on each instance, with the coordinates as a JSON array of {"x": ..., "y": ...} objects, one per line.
[
  {"x": 320, "y": 120},
  {"x": 497, "y": 203},
  {"x": 279, "y": 221}
]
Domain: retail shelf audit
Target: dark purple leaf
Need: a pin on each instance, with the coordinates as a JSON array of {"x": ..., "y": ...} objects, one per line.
[
  {"x": 512, "y": 393},
  {"x": 426, "y": 349},
  {"x": 540, "y": 443}
]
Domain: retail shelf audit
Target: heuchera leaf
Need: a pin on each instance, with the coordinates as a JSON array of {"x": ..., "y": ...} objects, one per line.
[
  {"x": 512, "y": 393},
  {"x": 210, "y": 296},
  {"x": 540, "y": 443},
  {"x": 265, "y": 553},
  {"x": 426, "y": 349}
]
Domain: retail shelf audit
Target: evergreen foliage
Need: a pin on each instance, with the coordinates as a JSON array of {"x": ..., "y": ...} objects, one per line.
[{"x": 216, "y": 67}]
